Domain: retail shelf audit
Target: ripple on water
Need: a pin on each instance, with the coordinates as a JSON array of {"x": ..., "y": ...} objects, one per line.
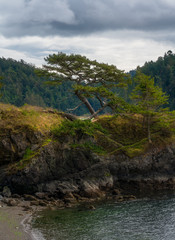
[{"x": 147, "y": 219}]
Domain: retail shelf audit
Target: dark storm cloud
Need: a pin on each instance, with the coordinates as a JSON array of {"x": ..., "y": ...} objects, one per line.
[{"x": 72, "y": 17}]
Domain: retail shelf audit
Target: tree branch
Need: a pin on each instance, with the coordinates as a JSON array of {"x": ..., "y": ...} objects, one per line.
[
  {"x": 85, "y": 102},
  {"x": 98, "y": 111},
  {"x": 69, "y": 116},
  {"x": 100, "y": 100},
  {"x": 73, "y": 109}
]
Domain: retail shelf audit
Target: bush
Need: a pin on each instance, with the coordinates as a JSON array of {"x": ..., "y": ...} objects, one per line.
[{"x": 77, "y": 128}]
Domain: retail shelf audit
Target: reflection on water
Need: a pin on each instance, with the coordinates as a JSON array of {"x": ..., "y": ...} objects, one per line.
[{"x": 138, "y": 220}]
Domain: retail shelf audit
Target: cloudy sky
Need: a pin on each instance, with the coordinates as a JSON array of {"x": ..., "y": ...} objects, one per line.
[{"x": 125, "y": 33}]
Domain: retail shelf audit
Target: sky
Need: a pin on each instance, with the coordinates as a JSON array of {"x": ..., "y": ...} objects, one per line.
[{"x": 126, "y": 33}]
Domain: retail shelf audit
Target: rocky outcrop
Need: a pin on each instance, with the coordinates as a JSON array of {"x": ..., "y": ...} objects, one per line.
[
  {"x": 14, "y": 142},
  {"x": 65, "y": 167},
  {"x": 32, "y": 162},
  {"x": 60, "y": 170}
]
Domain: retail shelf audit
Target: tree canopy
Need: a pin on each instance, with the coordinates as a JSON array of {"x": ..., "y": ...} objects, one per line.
[
  {"x": 1, "y": 85},
  {"x": 163, "y": 71},
  {"x": 90, "y": 79}
]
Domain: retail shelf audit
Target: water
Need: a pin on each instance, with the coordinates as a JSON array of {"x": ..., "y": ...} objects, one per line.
[{"x": 151, "y": 219}]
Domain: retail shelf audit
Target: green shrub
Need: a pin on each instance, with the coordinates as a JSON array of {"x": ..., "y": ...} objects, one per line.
[
  {"x": 28, "y": 154},
  {"x": 91, "y": 146},
  {"x": 27, "y": 157},
  {"x": 77, "y": 128}
]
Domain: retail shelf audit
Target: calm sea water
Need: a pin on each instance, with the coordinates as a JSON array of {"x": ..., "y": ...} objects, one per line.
[{"x": 146, "y": 219}]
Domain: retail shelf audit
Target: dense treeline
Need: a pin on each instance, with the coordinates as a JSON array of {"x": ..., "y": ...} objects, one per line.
[
  {"x": 22, "y": 86},
  {"x": 163, "y": 71}
]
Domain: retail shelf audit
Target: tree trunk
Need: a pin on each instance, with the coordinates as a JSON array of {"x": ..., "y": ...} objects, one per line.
[
  {"x": 98, "y": 111},
  {"x": 86, "y": 103},
  {"x": 148, "y": 129},
  {"x": 69, "y": 116}
]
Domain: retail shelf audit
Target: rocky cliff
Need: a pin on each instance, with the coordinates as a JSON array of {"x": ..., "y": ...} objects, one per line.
[{"x": 31, "y": 161}]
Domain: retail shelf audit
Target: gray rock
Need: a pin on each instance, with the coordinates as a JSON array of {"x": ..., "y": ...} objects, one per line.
[
  {"x": 6, "y": 192},
  {"x": 10, "y": 201},
  {"x": 29, "y": 197},
  {"x": 59, "y": 170},
  {"x": 16, "y": 196},
  {"x": 40, "y": 195}
]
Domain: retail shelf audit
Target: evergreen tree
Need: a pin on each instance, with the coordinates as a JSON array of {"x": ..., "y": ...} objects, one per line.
[
  {"x": 1, "y": 85},
  {"x": 148, "y": 98},
  {"x": 90, "y": 79},
  {"x": 163, "y": 71}
]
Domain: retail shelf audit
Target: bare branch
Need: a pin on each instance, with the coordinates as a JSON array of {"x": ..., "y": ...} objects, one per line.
[
  {"x": 73, "y": 109},
  {"x": 100, "y": 100},
  {"x": 98, "y": 111},
  {"x": 68, "y": 116}
]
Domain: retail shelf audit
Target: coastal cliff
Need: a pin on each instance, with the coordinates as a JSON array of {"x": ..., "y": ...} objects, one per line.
[{"x": 33, "y": 161}]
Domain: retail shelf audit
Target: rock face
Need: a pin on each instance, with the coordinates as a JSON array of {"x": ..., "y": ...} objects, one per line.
[
  {"x": 13, "y": 143},
  {"x": 60, "y": 170}
]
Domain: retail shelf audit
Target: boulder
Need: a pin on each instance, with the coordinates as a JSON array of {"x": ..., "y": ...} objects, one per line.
[{"x": 6, "y": 192}]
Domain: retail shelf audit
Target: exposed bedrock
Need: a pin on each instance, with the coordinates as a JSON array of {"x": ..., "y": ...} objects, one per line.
[{"x": 58, "y": 170}]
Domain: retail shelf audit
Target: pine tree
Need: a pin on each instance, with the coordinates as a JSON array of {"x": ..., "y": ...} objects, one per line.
[
  {"x": 1, "y": 85},
  {"x": 148, "y": 98},
  {"x": 90, "y": 79}
]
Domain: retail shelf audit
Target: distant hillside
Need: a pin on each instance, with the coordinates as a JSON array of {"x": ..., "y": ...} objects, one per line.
[
  {"x": 163, "y": 71},
  {"x": 22, "y": 86}
]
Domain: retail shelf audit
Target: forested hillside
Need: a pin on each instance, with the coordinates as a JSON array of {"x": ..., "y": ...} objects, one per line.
[
  {"x": 22, "y": 86},
  {"x": 163, "y": 71}
]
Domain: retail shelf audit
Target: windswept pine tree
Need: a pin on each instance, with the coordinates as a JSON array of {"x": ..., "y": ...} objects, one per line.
[{"x": 90, "y": 80}]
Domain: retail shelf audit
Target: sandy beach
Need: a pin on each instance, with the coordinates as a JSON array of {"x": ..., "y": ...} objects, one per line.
[{"x": 13, "y": 222}]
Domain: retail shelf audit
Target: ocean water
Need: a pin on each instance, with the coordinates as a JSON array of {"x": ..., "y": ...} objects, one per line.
[{"x": 146, "y": 219}]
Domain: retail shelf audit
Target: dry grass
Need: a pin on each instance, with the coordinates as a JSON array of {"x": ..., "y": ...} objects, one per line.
[
  {"x": 124, "y": 133},
  {"x": 36, "y": 118}
]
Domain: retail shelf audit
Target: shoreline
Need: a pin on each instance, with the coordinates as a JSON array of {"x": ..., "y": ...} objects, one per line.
[
  {"x": 16, "y": 220},
  {"x": 15, "y": 223}
]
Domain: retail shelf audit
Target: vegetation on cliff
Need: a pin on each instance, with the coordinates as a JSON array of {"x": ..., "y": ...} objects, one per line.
[
  {"x": 149, "y": 100},
  {"x": 130, "y": 130},
  {"x": 36, "y": 118},
  {"x": 101, "y": 81},
  {"x": 113, "y": 134},
  {"x": 24, "y": 131}
]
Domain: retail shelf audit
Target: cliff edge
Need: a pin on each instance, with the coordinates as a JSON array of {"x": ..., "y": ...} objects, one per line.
[{"x": 41, "y": 152}]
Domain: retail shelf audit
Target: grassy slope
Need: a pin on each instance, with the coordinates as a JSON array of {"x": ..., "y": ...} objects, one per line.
[
  {"x": 128, "y": 134},
  {"x": 37, "y": 118},
  {"x": 25, "y": 121},
  {"x": 121, "y": 133}
]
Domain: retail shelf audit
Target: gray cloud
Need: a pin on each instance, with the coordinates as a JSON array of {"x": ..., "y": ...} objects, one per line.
[
  {"x": 122, "y": 32},
  {"x": 72, "y": 17}
]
